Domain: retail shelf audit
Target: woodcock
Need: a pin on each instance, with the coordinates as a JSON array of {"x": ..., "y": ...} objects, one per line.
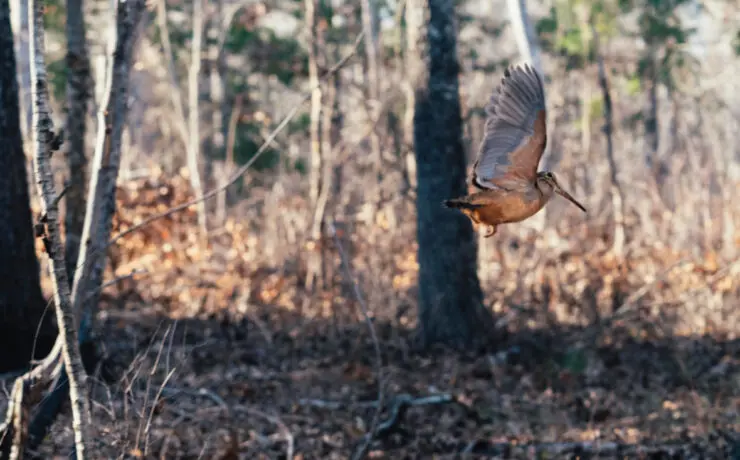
[{"x": 505, "y": 171}]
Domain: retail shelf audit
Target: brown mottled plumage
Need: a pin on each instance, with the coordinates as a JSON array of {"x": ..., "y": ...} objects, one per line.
[{"x": 505, "y": 171}]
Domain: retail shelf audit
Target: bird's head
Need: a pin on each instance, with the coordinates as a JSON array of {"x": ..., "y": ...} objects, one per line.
[{"x": 548, "y": 185}]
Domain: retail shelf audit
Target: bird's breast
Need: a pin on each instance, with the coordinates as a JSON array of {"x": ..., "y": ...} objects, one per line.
[{"x": 509, "y": 207}]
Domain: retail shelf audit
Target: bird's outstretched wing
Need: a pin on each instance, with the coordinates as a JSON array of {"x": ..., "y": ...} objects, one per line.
[{"x": 516, "y": 131}]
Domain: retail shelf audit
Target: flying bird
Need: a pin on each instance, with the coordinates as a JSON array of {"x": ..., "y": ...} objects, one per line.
[{"x": 510, "y": 189}]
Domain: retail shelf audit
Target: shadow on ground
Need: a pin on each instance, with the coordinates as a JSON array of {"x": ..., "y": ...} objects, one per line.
[{"x": 263, "y": 388}]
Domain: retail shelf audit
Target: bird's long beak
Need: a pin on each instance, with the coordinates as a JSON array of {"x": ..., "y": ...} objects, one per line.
[{"x": 559, "y": 190}]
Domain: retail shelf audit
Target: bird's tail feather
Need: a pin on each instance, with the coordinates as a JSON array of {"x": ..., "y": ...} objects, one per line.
[{"x": 457, "y": 203}]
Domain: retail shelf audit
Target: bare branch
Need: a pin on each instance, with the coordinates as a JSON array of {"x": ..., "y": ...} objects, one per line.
[{"x": 616, "y": 188}]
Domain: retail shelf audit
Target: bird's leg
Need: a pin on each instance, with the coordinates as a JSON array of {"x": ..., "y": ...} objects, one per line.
[
  {"x": 491, "y": 231},
  {"x": 472, "y": 215}
]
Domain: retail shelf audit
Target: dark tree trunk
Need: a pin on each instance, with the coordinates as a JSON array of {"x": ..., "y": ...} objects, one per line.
[
  {"x": 79, "y": 86},
  {"x": 450, "y": 299},
  {"x": 21, "y": 302}
]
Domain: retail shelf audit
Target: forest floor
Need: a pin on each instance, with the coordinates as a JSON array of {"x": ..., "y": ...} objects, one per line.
[{"x": 212, "y": 355}]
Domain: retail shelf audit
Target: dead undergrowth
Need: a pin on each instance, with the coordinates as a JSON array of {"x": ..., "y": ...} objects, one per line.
[{"x": 222, "y": 352}]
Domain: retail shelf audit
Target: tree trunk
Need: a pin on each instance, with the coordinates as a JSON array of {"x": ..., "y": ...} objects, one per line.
[
  {"x": 529, "y": 50},
  {"x": 313, "y": 81},
  {"x": 43, "y": 136},
  {"x": 19, "y": 20},
  {"x": 22, "y": 305},
  {"x": 78, "y": 94},
  {"x": 194, "y": 116},
  {"x": 372, "y": 77},
  {"x": 615, "y": 188},
  {"x": 450, "y": 298}
]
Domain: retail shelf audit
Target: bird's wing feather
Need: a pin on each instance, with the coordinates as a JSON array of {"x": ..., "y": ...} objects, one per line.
[{"x": 516, "y": 131}]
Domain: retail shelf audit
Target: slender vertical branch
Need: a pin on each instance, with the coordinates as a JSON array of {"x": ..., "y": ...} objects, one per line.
[
  {"x": 327, "y": 164},
  {"x": 414, "y": 16},
  {"x": 313, "y": 79},
  {"x": 194, "y": 112},
  {"x": 44, "y": 140},
  {"x": 229, "y": 164},
  {"x": 651, "y": 109},
  {"x": 217, "y": 106},
  {"x": 101, "y": 198},
  {"x": 186, "y": 132},
  {"x": 615, "y": 186},
  {"x": 529, "y": 50},
  {"x": 372, "y": 77},
  {"x": 19, "y": 18}
]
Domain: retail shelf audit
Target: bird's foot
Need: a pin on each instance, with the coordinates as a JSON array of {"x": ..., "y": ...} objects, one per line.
[{"x": 491, "y": 231}]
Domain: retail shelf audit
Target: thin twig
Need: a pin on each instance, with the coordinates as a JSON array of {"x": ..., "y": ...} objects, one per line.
[
  {"x": 360, "y": 453},
  {"x": 289, "y": 116},
  {"x": 287, "y": 434},
  {"x": 402, "y": 402},
  {"x": 118, "y": 279}
]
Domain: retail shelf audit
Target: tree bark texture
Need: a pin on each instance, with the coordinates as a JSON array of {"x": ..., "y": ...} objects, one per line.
[
  {"x": 43, "y": 138},
  {"x": 194, "y": 152},
  {"x": 22, "y": 305},
  {"x": 78, "y": 95},
  {"x": 529, "y": 50},
  {"x": 314, "y": 129},
  {"x": 616, "y": 191},
  {"x": 450, "y": 297},
  {"x": 101, "y": 199},
  {"x": 19, "y": 22}
]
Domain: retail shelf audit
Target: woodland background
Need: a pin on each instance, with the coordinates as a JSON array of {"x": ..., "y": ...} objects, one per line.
[{"x": 233, "y": 329}]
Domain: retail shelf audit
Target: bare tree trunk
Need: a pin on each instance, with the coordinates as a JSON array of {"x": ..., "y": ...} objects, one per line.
[
  {"x": 65, "y": 313},
  {"x": 313, "y": 81},
  {"x": 194, "y": 114},
  {"x": 190, "y": 138},
  {"x": 313, "y": 261},
  {"x": 216, "y": 71},
  {"x": 20, "y": 26},
  {"x": 526, "y": 39},
  {"x": 580, "y": 169},
  {"x": 78, "y": 94},
  {"x": 327, "y": 171},
  {"x": 529, "y": 50},
  {"x": 22, "y": 304},
  {"x": 651, "y": 111},
  {"x": 372, "y": 77},
  {"x": 229, "y": 164},
  {"x": 101, "y": 204},
  {"x": 414, "y": 22},
  {"x": 326, "y": 161},
  {"x": 615, "y": 187},
  {"x": 451, "y": 307}
]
